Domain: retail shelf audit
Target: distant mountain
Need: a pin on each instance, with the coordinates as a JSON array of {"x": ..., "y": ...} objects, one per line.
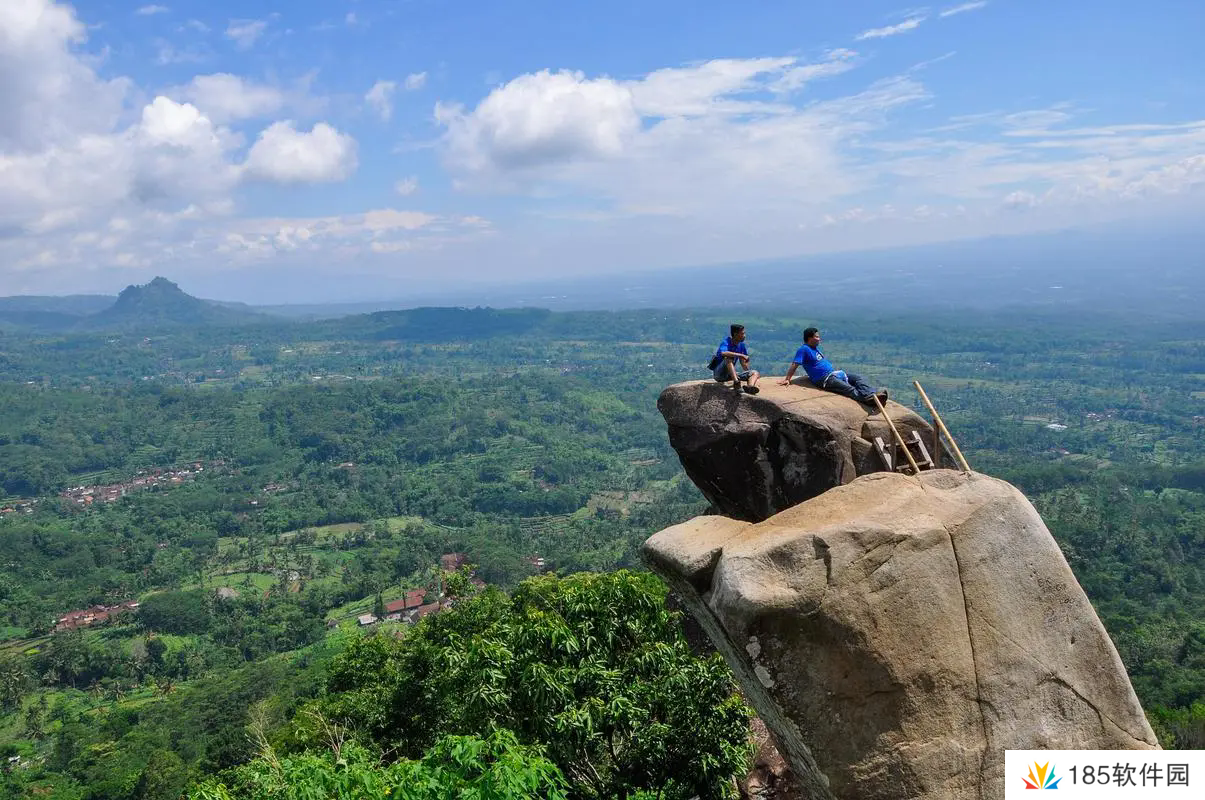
[
  {"x": 44, "y": 313},
  {"x": 75, "y": 305},
  {"x": 161, "y": 304}
]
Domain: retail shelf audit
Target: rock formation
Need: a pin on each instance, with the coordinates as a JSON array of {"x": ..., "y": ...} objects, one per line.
[
  {"x": 898, "y": 634},
  {"x": 753, "y": 456}
]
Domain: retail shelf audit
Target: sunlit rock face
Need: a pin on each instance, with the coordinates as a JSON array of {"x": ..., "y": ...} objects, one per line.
[{"x": 898, "y": 634}]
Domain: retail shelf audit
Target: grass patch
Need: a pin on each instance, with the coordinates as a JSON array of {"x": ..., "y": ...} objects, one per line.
[{"x": 237, "y": 580}]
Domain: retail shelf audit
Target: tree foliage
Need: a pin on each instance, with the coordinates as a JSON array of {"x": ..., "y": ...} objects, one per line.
[
  {"x": 496, "y": 767},
  {"x": 591, "y": 667}
]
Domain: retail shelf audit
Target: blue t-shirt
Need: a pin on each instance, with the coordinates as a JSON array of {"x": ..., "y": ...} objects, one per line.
[
  {"x": 726, "y": 347},
  {"x": 814, "y": 364}
]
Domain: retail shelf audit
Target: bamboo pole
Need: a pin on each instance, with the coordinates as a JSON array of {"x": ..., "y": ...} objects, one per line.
[
  {"x": 941, "y": 426},
  {"x": 899, "y": 440}
]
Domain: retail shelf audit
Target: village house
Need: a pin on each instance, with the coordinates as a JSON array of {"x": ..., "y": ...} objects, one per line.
[
  {"x": 143, "y": 479},
  {"x": 91, "y": 616},
  {"x": 397, "y": 609}
]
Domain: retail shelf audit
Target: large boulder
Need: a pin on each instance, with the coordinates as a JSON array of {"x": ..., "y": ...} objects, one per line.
[
  {"x": 755, "y": 455},
  {"x": 898, "y": 634}
]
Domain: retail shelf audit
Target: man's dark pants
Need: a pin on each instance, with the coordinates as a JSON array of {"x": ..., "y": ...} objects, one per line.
[{"x": 853, "y": 386}]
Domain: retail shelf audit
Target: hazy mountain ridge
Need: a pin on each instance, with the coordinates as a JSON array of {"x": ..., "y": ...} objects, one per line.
[
  {"x": 1115, "y": 272},
  {"x": 157, "y": 304}
]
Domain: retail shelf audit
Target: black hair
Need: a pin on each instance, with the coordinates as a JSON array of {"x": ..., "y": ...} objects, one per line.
[
  {"x": 734, "y": 329},
  {"x": 808, "y": 333}
]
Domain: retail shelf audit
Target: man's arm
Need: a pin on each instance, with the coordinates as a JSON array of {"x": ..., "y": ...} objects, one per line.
[{"x": 790, "y": 374}]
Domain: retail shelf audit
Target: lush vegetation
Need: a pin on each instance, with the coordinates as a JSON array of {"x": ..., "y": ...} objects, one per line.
[{"x": 340, "y": 459}]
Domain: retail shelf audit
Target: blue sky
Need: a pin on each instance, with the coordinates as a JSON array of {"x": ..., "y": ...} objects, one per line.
[{"x": 302, "y": 151}]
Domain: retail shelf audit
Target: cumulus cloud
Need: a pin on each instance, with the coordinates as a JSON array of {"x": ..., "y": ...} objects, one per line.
[
  {"x": 225, "y": 97},
  {"x": 284, "y": 154},
  {"x": 891, "y": 30},
  {"x": 541, "y": 117},
  {"x": 47, "y": 94},
  {"x": 718, "y": 151},
  {"x": 93, "y": 180},
  {"x": 691, "y": 134},
  {"x": 724, "y": 159},
  {"x": 548, "y": 119},
  {"x": 65, "y": 162},
  {"x": 244, "y": 32},
  {"x": 380, "y": 97},
  {"x": 415, "y": 81},
  {"x": 180, "y": 156},
  {"x": 962, "y": 9},
  {"x": 146, "y": 11}
]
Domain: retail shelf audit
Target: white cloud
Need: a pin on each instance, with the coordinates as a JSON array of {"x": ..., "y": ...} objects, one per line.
[
  {"x": 380, "y": 97},
  {"x": 244, "y": 32},
  {"x": 1020, "y": 200},
  {"x": 283, "y": 154},
  {"x": 94, "y": 190},
  {"x": 727, "y": 159},
  {"x": 706, "y": 88},
  {"x": 796, "y": 77},
  {"x": 680, "y": 137},
  {"x": 949, "y": 12},
  {"x": 167, "y": 122},
  {"x": 146, "y": 11},
  {"x": 166, "y": 53},
  {"x": 891, "y": 30},
  {"x": 415, "y": 80},
  {"x": 378, "y": 232},
  {"x": 225, "y": 97},
  {"x": 47, "y": 94},
  {"x": 714, "y": 161},
  {"x": 541, "y": 117},
  {"x": 180, "y": 157}
]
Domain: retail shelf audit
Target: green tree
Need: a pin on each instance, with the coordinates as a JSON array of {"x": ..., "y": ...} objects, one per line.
[
  {"x": 591, "y": 667},
  {"x": 14, "y": 681},
  {"x": 496, "y": 767}
]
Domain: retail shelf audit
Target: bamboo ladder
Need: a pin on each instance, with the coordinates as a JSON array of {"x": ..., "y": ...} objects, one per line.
[{"x": 922, "y": 458}]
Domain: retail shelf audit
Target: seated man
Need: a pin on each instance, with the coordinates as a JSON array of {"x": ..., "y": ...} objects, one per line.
[
  {"x": 820, "y": 370},
  {"x": 731, "y": 350}
]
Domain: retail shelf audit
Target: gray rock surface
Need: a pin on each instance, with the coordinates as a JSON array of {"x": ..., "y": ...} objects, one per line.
[
  {"x": 898, "y": 634},
  {"x": 755, "y": 455}
]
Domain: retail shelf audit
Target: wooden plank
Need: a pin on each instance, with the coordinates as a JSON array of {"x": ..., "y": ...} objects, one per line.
[
  {"x": 888, "y": 459},
  {"x": 925, "y": 460}
]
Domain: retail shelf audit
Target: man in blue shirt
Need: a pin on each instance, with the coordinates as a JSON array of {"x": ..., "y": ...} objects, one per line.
[
  {"x": 820, "y": 372},
  {"x": 731, "y": 350}
]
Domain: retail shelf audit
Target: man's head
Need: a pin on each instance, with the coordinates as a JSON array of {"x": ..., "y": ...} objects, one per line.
[
  {"x": 737, "y": 332},
  {"x": 811, "y": 336}
]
